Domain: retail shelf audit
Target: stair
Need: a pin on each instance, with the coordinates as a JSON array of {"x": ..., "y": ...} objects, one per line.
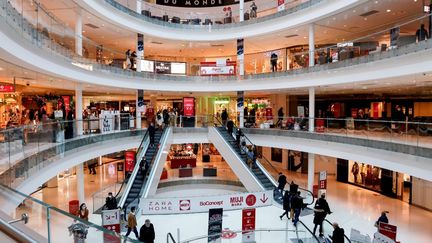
[
  {"x": 138, "y": 183},
  {"x": 259, "y": 174}
]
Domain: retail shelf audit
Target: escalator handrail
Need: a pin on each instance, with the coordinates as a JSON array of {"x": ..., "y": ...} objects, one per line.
[
  {"x": 144, "y": 142},
  {"x": 345, "y": 236},
  {"x": 310, "y": 231},
  {"x": 274, "y": 180},
  {"x": 169, "y": 236},
  {"x": 149, "y": 169},
  {"x": 150, "y": 177}
]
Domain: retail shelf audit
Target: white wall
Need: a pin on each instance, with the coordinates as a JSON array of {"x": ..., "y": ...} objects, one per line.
[{"x": 422, "y": 193}]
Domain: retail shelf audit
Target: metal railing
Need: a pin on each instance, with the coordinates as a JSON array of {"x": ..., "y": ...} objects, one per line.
[
  {"x": 32, "y": 33},
  {"x": 52, "y": 223},
  {"x": 145, "y": 142},
  {"x": 170, "y": 238},
  {"x": 269, "y": 13}
]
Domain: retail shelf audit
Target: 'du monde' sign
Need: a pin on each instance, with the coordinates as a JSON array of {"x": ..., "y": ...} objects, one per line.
[{"x": 197, "y": 3}]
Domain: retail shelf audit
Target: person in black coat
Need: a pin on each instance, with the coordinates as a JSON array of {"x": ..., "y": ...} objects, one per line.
[
  {"x": 147, "y": 233},
  {"x": 338, "y": 234},
  {"x": 224, "y": 117},
  {"x": 282, "y": 181},
  {"x": 110, "y": 202},
  {"x": 230, "y": 127},
  {"x": 321, "y": 210},
  {"x": 297, "y": 204},
  {"x": 286, "y": 205},
  {"x": 152, "y": 131}
]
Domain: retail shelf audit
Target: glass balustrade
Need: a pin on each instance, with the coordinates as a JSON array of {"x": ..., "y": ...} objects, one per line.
[
  {"x": 170, "y": 17},
  {"x": 50, "y": 223},
  {"x": 44, "y": 31}
]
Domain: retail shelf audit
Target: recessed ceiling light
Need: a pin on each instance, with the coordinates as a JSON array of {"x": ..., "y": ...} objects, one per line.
[
  {"x": 83, "y": 31},
  {"x": 388, "y": 10},
  {"x": 1, "y": 69}
]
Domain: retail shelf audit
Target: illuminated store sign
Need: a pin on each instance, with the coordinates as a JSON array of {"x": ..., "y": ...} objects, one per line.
[
  {"x": 6, "y": 88},
  {"x": 198, "y": 3}
]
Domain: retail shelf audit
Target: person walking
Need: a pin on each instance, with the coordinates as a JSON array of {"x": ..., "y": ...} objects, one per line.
[
  {"x": 132, "y": 223},
  {"x": 224, "y": 117},
  {"x": 286, "y": 205},
  {"x": 273, "y": 61},
  {"x": 110, "y": 202},
  {"x": 83, "y": 212},
  {"x": 383, "y": 218},
  {"x": 422, "y": 33},
  {"x": 338, "y": 234},
  {"x": 147, "y": 233},
  {"x": 253, "y": 11},
  {"x": 152, "y": 131},
  {"x": 282, "y": 181},
  {"x": 230, "y": 127},
  {"x": 321, "y": 210},
  {"x": 280, "y": 117},
  {"x": 297, "y": 204}
]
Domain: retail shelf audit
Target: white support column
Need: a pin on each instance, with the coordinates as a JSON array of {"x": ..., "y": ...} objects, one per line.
[
  {"x": 80, "y": 182},
  {"x": 311, "y": 109},
  {"x": 311, "y": 171},
  {"x": 138, "y": 6},
  {"x": 241, "y": 10},
  {"x": 79, "y": 109},
  {"x": 78, "y": 34},
  {"x": 311, "y": 45},
  {"x": 138, "y": 111}
]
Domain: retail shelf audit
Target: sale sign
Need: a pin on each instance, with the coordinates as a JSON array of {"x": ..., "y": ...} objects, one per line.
[
  {"x": 129, "y": 161},
  {"x": 111, "y": 221},
  {"x": 248, "y": 225},
  {"x": 388, "y": 230}
]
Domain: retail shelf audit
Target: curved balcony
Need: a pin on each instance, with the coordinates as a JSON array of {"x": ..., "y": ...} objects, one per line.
[
  {"x": 308, "y": 12},
  {"x": 23, "y": 45}
]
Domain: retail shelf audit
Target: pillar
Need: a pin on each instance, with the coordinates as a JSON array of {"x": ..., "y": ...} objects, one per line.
[
  {"x": 311, "y": 45},
  {"x": 311, "y": 109},
  {"x": 80, "y": 182},
  {"x": 138, "y": 6},
  {"x": 311, "y": 171},
  {"x": 140, "y": 41},
  {"x": 241, "y": 10},
  {"x": 240, "y": 107},
  {"x": 139, "y": 107},
  {"x": 79, "y": 109},
  {"x": 78, "y": 34}
]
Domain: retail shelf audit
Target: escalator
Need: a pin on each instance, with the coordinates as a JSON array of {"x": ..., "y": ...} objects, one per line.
[
  {"x": 136, "y": 181},
  {"x": 265, "y": 175}
]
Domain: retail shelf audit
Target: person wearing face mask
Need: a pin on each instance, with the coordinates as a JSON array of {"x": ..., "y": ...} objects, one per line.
[
  {"x": 110, "y": 202},
  {"x": 147, "y": 233},
  {"x": 83, "y": 212}
]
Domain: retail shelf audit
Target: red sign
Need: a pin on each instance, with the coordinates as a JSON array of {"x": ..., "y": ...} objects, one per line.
[
  {"x": 228, "y": 234},
  {"x": 319, "y": 125},
  {"x": 129, "y": 161},
  {"x": 251, "y": 200},
  {"x": 66, "y": 100},
  {"x": 269, "y": 113},
  {"x": 189, "y": 106},
  {"x": 7, "y": 88},
  {"x": 388, "y": 230},
  {"x": 111, "y": 221},
  {"x": 248, "y": 219}
]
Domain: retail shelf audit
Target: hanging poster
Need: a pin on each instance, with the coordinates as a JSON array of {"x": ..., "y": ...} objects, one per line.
[
  {"x": 189, "y": 106},
  {"x": 129, "y": 161},
  {"x": 140, "y": 100},
  {"x": 248, "y": 225},
  {"x": 394, "y": 36},
  {"x": 281, "y": 5},
  {"x": 215, "y": 225}
]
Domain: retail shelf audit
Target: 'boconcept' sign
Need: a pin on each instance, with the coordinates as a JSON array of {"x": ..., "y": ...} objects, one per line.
[{"x": 197, "y": 3}]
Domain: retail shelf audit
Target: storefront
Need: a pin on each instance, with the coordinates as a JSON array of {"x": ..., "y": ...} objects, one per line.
[
  {"x": 10, "y": 109},
  {"x": 387, "y": 182}
]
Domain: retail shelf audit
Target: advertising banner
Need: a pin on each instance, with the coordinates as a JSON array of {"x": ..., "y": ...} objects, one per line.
[
  {"x": 240, "y": 55},
  {"x": 106, "y": 121},
  {"x": 163, "y": 67},
  {"x": 215, "y": 225},
  {"x": 198, "y": 3},
  {"x": 281, "y": 5},
  {"x": 218, "y": 68},
  {"x": 240, "y": 100},
  {"x": 140, "y": 101},
  {"x": 388, "y": 230},
  {"x": 111, "y": 221},
  {"x": 67, "y": 102},
  {"x": 322, "y": 180},
  {"x": 6, "y": 88},
  {"x": 189, "y": 106},
  {"x": 248, "y": 223},
  {"x": 129, "y": 161},
  {"x": 140, "y": 52},
  {"x": 181, "y": 205}
]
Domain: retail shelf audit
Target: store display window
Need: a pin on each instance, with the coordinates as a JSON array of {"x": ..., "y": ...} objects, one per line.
[{"x": 365, "y": 175}]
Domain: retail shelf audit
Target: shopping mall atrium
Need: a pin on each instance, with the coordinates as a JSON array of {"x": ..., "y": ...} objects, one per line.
[{"x": 213, "y": 121}]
